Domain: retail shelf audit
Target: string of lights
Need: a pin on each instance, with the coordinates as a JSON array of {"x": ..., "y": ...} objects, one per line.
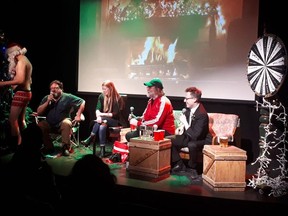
[
  {"x": 147, "y": 9},
  {"x": 274, "y": 139}
]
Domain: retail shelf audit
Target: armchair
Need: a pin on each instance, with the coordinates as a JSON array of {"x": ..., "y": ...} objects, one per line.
[{"x": 220, "y": 124}]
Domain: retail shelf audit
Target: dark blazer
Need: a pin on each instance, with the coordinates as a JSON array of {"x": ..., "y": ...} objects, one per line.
[{"x": 198, "y": 130}]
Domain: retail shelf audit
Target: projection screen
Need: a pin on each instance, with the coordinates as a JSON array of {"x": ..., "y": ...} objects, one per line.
[{"x": 183, "y": 42}]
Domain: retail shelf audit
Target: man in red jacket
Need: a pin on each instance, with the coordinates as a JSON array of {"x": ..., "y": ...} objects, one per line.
[{"x": 159, "y": 111}]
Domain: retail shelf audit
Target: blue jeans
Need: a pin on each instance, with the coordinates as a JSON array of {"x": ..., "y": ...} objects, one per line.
[{"x": 101, "y": 129}]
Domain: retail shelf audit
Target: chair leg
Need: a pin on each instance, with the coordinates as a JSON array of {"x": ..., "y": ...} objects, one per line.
[
  {"x": 57, "y": 139},
  {"x": 74, "y": 143},
  {"x": 74, "y": 140},
  {"x": 94, "y": 148}
]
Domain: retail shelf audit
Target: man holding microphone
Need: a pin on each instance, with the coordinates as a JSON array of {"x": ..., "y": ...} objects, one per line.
[{"x": 57, "y": 107}]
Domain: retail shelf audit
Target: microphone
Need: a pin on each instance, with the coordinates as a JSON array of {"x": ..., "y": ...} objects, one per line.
[
  {"x": 184, "y": 110},
  {"x": 131, "y": 112},
  {"x": 54, "y": 95},
  {"x": 155, "y": 127}
]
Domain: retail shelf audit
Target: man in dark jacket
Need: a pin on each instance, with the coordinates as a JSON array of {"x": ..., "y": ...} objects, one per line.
[{"x": 193, "y": 133}]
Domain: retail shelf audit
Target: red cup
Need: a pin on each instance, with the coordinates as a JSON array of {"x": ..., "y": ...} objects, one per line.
[{"x": 159, "y": 135}]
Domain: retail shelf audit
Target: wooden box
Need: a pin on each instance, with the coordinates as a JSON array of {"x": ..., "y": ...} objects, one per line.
[
  {"x": 224, "y": 169},
  {"x": 149, "y": 158}
]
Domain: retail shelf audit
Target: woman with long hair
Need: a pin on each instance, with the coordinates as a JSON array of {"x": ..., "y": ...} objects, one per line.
[{"x": 109, "y": 109}]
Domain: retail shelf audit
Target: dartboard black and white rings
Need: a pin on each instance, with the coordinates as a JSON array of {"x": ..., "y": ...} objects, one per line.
[{"x": 267, "y": 65}]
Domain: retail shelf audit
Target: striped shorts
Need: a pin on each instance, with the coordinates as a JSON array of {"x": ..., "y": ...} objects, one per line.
[{"x": 21, "y": 98}]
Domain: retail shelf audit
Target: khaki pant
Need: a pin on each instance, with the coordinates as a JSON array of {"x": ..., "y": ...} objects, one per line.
[{"x": 65, "y": 130}]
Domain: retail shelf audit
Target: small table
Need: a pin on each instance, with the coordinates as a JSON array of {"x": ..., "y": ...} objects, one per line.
[
  {"x": 149, "y": 158},
  {"x": 224, "y": 168}
]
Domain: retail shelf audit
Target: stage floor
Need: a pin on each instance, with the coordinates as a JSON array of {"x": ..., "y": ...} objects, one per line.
[{"x": 173, "y": 192}]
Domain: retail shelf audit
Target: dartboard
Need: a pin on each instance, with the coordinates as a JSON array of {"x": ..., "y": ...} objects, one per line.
[{"x": 267, "y": 65}]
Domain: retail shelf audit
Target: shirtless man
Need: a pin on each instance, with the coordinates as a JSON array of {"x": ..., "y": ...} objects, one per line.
[{"x": 20, "y": 71}]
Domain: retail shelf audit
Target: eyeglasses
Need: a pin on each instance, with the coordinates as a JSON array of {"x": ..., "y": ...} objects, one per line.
[
  {"x": 188, "y": 98},
  {"x": 55, "y": 88}
]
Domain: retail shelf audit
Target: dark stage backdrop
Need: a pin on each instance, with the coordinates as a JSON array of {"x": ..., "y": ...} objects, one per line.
[{"x": 199, "y": 43}]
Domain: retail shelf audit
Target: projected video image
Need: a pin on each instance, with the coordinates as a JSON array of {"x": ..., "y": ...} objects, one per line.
[{"x": 183, "y": 42}]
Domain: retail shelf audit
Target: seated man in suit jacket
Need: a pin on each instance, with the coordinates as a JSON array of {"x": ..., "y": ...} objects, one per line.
[{"x": 193, "y": 133}]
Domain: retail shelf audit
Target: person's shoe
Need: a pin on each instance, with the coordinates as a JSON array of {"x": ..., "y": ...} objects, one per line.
[
  {"x": 87, "y": 141},
  {"x": 102, "y": 151},
  {"x": 193, "y": 174},
  {"x": 179, "y": 167},
  {"x": 65, "y": 150}
]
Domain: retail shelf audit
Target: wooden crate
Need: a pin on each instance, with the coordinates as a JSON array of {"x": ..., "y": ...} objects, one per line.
[
  {"x": 149, "y": 158},
  {"x": 224, "y": 169}
]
